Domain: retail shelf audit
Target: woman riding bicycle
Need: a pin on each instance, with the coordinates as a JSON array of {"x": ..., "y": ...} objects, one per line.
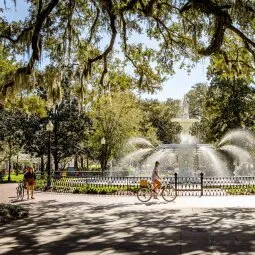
[{"x": 156, "y": 183}]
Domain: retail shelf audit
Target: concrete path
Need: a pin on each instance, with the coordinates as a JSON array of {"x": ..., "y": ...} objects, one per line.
[{"x": 86, "y": 224}]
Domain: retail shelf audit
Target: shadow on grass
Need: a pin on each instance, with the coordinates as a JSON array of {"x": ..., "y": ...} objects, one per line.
[{"x": 84, "y": 228}]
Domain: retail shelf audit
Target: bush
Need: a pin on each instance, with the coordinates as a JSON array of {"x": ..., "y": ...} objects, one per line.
[
  {"x": 241, "y": 190},
  {"x": 76, "y": 191},
  {"x": 9, "y": 212},
  {"x": 96, "y": 190}
]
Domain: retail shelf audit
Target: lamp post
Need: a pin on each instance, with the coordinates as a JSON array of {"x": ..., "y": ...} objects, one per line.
[
  {"x": 49, "y": 128},
  {"x": 103, "y": 142}
]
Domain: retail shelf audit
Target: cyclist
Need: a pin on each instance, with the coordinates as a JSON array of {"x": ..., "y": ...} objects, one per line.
[{"x": 156, "y": 183}]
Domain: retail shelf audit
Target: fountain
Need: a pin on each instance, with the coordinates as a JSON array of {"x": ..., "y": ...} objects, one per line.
[
  {"x": 239, "y": 144},
  {"x": 189, "y": 158}
]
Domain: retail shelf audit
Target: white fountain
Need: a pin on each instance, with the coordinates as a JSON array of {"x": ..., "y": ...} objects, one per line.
[{"x": 189, "y": 158}]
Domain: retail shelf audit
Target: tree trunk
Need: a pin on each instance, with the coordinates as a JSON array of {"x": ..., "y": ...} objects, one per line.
[
  {"x": 76, "y": 163},
  {"x": 82, "y": 162},
  {"x": 87, "y": 162},
  {"x": 55, "y": 129},
  {"x": 55, "y": 162},
  {"x": 17, "y": 166},
  {"x": 9, "y": 169},
  {"x": 42, "y": 166},
  {"x": 103, "y": 163}
]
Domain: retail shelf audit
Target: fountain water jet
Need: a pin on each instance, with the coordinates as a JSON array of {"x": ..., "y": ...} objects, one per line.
[{"x": 189, "y": 158}]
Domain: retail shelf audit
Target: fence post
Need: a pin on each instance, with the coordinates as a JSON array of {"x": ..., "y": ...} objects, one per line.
[
  {"x": 201, "y": 181},
  {"x": 175, "y": 183}
]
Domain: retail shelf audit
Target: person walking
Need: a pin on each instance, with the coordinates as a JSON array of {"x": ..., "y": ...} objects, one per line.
[{"x": 30, "y": 180}]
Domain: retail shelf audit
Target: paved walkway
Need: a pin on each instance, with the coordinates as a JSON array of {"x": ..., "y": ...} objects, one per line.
[{"x": 90, "y": 225}]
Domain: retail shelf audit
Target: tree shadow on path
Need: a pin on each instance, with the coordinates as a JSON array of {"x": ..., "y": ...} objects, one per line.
[{"x": 85, "y": 228}]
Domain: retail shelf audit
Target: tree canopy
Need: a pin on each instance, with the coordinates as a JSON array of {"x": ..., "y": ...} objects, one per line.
[
  {"x": 227, "y": 104},
  {"x": 116, "y": 118},
  {"x": 82, "y": 36}
]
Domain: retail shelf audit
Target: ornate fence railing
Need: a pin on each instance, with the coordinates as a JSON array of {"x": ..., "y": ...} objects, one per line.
[{"x": 184, "y": 186}]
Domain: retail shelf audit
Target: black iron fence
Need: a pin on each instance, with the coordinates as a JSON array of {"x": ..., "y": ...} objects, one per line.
[{"x": 184, "y": 186}]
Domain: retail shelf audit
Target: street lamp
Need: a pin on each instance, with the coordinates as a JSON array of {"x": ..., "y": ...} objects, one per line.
[{"x": 49, "y": 128}]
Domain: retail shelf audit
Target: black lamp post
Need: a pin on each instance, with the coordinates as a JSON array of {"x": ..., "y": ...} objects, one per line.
[
  {"x": 103, "y": 142},
  {"x": 49, "y": 128}
]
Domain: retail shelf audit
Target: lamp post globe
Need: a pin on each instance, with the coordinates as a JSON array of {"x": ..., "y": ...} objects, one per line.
[
  {"x": 103, "y": 141},
  {"x": 49, "y": 126}
]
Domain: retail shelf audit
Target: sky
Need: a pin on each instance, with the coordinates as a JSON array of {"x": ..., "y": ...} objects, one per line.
[{"x": 175, "y": 87}]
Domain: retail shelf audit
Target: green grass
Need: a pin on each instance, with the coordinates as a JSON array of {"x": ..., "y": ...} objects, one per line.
[{"x": 14, "y": 177}]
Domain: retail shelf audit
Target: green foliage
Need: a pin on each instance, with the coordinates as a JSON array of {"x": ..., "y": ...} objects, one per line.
[
  {"x": 174, "y": 31},
  {"x": 116, "y": 117},
  {"x": 196, "y": 98},
  {"x": 160, "y": 115},
  {"x": 10, "y": 212},
  {"x": 7, "y": 66},
  {"x": 96, "y": 190},
  {"x": 11, "y": 132},
  {"x": 14, "y": 177},
  {"x": 228, "y": 104},
  {"x": 242, "y": 190},
  {"x": 72, "y": 128},
  {"x": 90, "y": 189}
]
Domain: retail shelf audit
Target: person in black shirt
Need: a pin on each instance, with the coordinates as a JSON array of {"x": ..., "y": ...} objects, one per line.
[{"x": 30, "y": 180}]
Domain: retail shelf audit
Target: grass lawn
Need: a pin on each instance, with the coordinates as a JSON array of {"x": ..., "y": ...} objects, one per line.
[{"x": 14, "y": 177}]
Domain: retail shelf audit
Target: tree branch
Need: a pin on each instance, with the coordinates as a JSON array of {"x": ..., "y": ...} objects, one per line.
[
  {"x": 8, "y": 37},
  {"x": 241, "y": 35},
  {"x": 92, "y": 30},
  {"x": 247, "y": 46},
  {"x": 129, "y": 5},
  {"x": 217, "y": 38},
  {"x": 104, "y": 55},
  {"x": 36, "y": 34},
  {"x": 36, "y": 40}
]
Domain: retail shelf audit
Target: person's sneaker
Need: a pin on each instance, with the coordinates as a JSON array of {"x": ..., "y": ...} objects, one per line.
[
  {"x": 32, "y": 198},
  {"x": 155, "y": 197}
]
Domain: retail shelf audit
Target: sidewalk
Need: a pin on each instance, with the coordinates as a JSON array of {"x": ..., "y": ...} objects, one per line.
[{"x": 87, "y": 224}]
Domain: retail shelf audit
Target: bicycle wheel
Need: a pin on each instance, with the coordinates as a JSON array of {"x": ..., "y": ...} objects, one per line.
[
  {"x": 169, "y": 194},
  {"x": 144, "y": 194},
  {"x": 22, "y": 191}
]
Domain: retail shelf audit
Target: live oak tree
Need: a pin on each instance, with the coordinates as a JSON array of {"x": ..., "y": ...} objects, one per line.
[{"x": 181, "y": 29}]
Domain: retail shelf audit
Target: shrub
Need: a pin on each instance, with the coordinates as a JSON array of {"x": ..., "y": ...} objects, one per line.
[
  {"x": 76, "y": 191},
  {"x": 9, "y": 212}
]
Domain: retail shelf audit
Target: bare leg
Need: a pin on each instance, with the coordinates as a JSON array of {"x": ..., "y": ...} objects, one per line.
[
  {"x": 32, "y": 191},
  {"x": 28, "y": 187}
]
